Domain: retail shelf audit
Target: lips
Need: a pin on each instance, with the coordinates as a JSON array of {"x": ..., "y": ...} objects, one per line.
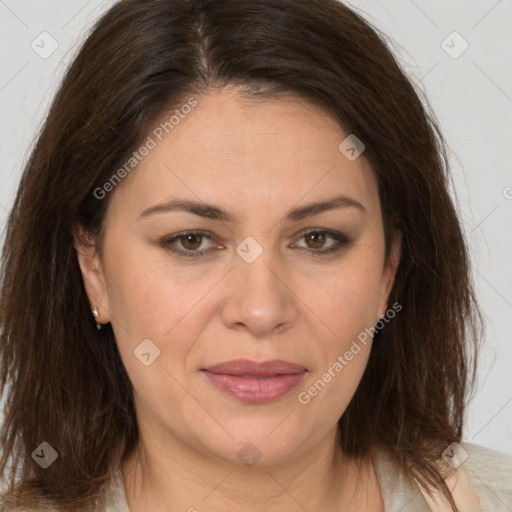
[
  {"x": 250, "y": 368},
  {"x": 255, "y": 383}
]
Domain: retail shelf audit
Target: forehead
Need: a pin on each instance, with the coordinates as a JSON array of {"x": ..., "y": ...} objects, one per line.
[
  {"x": 228, "y": 126},
  {"x": 242, "y": 151}
]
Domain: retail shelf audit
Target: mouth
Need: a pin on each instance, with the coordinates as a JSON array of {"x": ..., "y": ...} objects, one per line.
[{"x": 255, "y": 383}]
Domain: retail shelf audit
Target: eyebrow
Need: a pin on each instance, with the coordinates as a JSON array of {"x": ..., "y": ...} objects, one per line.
[{"x": 210, "y": 211}]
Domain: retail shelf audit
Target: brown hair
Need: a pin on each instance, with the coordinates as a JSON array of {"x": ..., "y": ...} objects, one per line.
[{"x": 63, "y": 380}]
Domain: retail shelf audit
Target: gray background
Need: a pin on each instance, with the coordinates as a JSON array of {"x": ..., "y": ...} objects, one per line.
[{"x": 471, "y": 94}]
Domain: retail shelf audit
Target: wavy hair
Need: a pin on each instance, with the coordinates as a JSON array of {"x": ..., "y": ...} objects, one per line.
[{"x": 63, "y": 381}]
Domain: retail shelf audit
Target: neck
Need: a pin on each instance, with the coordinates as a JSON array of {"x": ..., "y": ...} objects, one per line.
[{"x": 179, "y": 478}]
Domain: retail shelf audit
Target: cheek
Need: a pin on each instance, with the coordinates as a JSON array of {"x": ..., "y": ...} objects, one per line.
[
  {"x": 150, "y": 303},
  {"x": 147, "y": 295},
  {"x": 332, "y": 384},
  {"x": 348, "y": 296},
  {"x": 347, "y": 309},
  {"x": 150, "y": 300}
]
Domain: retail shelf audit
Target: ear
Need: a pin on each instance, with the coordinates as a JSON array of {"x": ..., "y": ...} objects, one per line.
[
  {"x": 92, "y": 273},
  {"x": 389, "y": 274}
]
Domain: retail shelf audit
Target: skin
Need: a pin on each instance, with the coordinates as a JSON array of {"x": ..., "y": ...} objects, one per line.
[{"x": 256, "y": 160}]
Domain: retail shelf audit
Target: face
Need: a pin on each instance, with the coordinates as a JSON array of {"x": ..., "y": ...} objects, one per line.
[{"x": 286, "y": 263}]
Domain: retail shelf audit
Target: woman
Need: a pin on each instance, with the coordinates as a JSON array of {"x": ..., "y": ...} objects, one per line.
[{"x": 234, "y": 277}]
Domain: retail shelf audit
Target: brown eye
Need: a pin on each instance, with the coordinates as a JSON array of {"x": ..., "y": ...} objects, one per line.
[
  {"x": 191, "y": 241},
  {"x": 187, "y": 243},
  {"x": 322, "y": 242},
  {"x": 315, "y": 240}
]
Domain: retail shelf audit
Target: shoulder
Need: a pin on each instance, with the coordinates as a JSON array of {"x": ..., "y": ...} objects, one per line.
[
  {"x": 112, "y": 500},
  {"x": 115, "y": 497},
  {"x": 490, "y": 474}
]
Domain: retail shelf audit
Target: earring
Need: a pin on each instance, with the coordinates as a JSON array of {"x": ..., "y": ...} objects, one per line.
[{"x": 96, "y": 316}]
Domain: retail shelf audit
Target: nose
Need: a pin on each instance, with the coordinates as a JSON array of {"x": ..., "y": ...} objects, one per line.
[{"x": 258, "y": 297}]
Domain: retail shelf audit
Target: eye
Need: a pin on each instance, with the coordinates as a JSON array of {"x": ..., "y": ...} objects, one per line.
[
  {"x": 316, "y": 241},
  {"x": 188, "y": 243},
  {"x": 200, "y": 243}
]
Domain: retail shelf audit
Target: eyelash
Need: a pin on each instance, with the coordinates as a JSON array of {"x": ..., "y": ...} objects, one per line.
[{"x": 341, "y": 239}]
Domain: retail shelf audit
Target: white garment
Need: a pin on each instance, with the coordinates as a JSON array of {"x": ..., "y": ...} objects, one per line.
[{"x": 489, "y": 472}]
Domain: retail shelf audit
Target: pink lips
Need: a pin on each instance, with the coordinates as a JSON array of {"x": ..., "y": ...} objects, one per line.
[{"x": 253, "y": 382}]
